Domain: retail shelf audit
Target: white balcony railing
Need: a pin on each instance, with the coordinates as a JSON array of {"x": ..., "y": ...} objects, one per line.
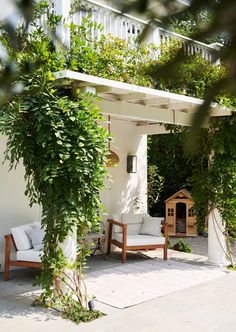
[{"x": 126, "y": 26}]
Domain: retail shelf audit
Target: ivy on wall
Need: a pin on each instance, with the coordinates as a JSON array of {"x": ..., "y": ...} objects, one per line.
[{"x": 56, "y": 132}]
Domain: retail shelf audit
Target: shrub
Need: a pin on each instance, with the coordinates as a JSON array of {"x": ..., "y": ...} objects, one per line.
[{"x": 180, "y": 245}]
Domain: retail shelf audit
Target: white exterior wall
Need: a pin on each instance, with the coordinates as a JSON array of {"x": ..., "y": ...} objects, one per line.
[
  {"x": 125, "y": 187},
  {"x": 14, "y": 206}
]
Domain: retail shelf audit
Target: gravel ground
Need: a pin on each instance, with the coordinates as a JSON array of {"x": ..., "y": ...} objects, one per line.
[{"x": 199, "y": 244}]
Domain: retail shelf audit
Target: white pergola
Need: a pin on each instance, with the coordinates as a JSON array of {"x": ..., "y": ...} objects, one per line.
[
  {"x": 147, "y": 107},
  {"x": 150, "y": 109}
]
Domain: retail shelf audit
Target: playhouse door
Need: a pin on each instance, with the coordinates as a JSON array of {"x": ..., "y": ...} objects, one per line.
[{"x": 181, "y": 218}]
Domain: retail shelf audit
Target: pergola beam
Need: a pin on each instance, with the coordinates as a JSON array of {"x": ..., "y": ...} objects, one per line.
[
  {"x": 144, "y": 113},
  {"x": 151, "y": 129},
  {"x": 138, "y": 103}
]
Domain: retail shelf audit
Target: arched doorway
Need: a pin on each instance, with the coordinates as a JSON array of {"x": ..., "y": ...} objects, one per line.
[{"x": 181, "y": 218}]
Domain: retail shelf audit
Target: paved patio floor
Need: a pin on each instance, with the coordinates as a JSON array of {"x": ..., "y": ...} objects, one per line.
[{"x": 210, "y": 306}]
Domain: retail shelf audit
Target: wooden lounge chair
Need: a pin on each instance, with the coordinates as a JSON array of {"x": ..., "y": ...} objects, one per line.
[
  {"x": 127, "y": 234},
  {"x": 25, "y": 255}
]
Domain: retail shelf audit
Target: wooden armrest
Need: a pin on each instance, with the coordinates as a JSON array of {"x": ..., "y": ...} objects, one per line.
[
  {"x": 117, "y": 223},
  {"x": 9, "y": 239},
  {"x": 8, "y": 236}
]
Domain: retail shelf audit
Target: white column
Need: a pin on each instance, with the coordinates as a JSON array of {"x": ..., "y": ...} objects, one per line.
[
  {"x": 69, "y": 246},
  {"x": 69, "y": 250},
  {"x": 216, "y": 239},
  {"x": 62, "y": 8}
]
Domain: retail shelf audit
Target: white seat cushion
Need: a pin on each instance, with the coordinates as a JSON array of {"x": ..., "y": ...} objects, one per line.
[
  {"x": 30, "y": 255},
  {"x": 139, "y": 240},
  {"x": 21, "y": 239}
]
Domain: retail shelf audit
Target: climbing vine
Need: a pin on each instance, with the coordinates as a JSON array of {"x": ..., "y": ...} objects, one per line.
[{"x": 57, "y": 133}]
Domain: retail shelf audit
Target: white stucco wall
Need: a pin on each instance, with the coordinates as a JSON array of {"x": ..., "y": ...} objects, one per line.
[
  {"x": 14, "y": 207},
  {"x": 125, "y": 187}
]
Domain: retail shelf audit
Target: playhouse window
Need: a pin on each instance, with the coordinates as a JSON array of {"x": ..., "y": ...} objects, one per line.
[
  {"x": 170, "y": 212},
  {"x": 191, "y": 212}
]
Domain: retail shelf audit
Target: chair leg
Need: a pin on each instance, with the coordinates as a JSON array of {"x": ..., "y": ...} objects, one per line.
[
  {"x": 123, "y": 257},
  {"x": 109, "y": 239},
  {"x": 108, "y": 247},
  {"x": 165, "y": 253},
  {"x": 7, "y": 257},
  {"x": 6, "y": 271}
]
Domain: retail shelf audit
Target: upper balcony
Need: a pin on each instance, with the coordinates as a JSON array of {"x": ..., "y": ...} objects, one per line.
[
  {"x": 122, "y": 25},
  {"x": 125, "y": 26}
]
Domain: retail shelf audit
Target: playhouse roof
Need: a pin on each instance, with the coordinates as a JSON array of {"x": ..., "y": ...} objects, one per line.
[{"x": 183, "y": 191}]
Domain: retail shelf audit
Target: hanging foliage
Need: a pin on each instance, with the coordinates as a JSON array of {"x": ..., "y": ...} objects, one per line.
[{"x": 56, "y": 133}]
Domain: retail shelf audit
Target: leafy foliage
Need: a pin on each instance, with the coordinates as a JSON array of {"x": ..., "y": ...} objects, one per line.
[
  {"x": 167, "y": 153},
  {"x": 193, "y": 77},
  {"x": 212, "y": 13},
  {"x": 166, "y": 12},
  {"x": 220, "y": 184},
  {"x": 72, "y": 310},
  {"x": 187, "y": 25},
  {"x": 181, "y": 245},
  {"x": 155, "y": 185},
  {"x": 56, "y": 132},
  {"x": 108, "y": 56}
]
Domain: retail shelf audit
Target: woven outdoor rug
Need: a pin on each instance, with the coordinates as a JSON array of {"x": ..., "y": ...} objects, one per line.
[{"x": 130, "y": 284}]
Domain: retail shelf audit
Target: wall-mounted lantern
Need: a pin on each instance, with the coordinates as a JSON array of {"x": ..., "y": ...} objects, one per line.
[{"x": 132, "y": 164}]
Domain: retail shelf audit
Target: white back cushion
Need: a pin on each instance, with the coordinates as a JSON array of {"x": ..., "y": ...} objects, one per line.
[
  {"x": 133, "y": 222},
  {"x": 131, "y": 218},
  {"x": 21, "y": 239},
  {"x": 36, "y": 236},
  {"x": 116, "y": 217},
  {"x": 151, "y": 226}
]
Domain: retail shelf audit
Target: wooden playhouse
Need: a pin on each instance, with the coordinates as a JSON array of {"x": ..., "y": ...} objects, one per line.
[{"x": 180, "y": 214}]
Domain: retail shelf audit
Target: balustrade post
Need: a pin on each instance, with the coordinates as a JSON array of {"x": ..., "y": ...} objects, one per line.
[
  {"x": 62, "y": 8},
  {"x": 155, "y": 38},
  {"x": 217, "y": 47}
]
